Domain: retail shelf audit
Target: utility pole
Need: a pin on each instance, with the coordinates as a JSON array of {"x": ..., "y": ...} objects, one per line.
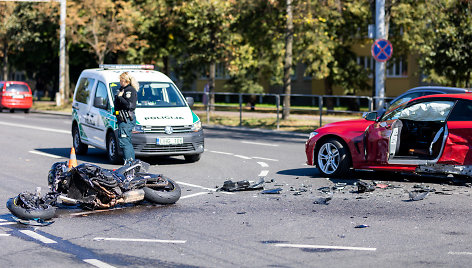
[
  {"x": 61, "y": 97},
  {"x": 380, "y": 66}
]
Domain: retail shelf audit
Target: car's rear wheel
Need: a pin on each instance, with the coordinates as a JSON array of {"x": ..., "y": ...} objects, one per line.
[
  {"x": 80, "y": 148},
  {"x": 332, "y": 159},
  {"x": 112, "y": 149}
]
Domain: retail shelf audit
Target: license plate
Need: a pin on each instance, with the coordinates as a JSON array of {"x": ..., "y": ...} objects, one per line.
[
  {"x": 18, "y": 96},
  {"x": 170, "y": 141}
]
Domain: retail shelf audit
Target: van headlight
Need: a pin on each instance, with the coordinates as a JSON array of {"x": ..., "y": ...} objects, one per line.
[
  {"x": 197, "y": 126},
  {"x": 138, "y": 129}
]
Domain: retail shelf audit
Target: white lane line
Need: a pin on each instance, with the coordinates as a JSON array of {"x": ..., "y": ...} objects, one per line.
[
  {"x": 201, "y": 187},
  {"x": 7, "y": 223},
  {"x": 322, "y": 247},
  {"x": 459, "y": 253},
  {"x": 2, "y": 220},
  {"x": 4, "y": 234},
  {"x": 37, "y": 128},
  {"x": 242, "y": 156},
  {"x": 193, "y": 195},
  {"x": 260, "y": 143},
  {"x": 98, "y": 263},
  {"x": 95, "y": 211},
  {"x": 263, "y": 173},
  {"x": 263, "y": 158},
  {"x": 263, "y": 164},
  {"x": 217, "y": 152},
  {"x": 39, "y": 237},
  {"x": 139, "y": 240},
  {"x": 45, "y": 154}
]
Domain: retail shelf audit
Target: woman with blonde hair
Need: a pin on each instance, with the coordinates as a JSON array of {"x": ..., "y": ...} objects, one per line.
[{"x": 125, "y": 104}]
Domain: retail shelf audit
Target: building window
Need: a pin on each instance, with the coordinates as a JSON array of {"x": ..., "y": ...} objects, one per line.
[{"x": 396, "y": 67}]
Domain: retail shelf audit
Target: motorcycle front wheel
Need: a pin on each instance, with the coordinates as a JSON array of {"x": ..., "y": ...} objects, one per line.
[
  {"x": 44, "y": 211},
  {"x": 163, "y": 195}
]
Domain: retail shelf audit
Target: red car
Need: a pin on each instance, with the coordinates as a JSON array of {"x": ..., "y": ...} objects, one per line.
[
  {"x": 430, "y": 134},
  {"x": 15, "y": 95}
]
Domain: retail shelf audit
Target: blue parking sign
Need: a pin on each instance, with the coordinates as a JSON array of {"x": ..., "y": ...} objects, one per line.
[{"x": 382, "y": 50}]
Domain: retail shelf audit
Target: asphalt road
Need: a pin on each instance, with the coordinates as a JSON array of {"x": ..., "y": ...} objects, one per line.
[{"x": 208, "y": 228}]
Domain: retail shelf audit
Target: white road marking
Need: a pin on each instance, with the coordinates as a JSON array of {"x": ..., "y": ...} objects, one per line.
[
  {"x": 39, "y": 237},
  {"x": 7, "y": 223},
  {"x": 4, "y": 234},
  {"x": 192, "y": 195},
  {"x": 94, "y": 211},
  {"x": 139, "y": 240},
  {"x": 263, "y": 173},
  {"x": 201, "y": 187},
  {"x": 263, "y": 158},
  {"x": 260, "y": 143},
  {"x": 217, "y": 152},
  {"x": 242, "y": 156},
  {"x": 45, "y": 154},
  {"x": 263, "y": 164},
  {"x": 322, "y": 247},
  {"x": 37, "y": 128},
  {"x": 98, "y": 263},
  {"x": 459, "y": 253}
]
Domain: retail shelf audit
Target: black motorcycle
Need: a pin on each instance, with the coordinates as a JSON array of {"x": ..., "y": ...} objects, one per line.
[{"x": 92, "y": 187}]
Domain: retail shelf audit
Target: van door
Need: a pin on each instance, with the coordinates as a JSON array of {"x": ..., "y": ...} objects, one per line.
[
  {"x": 81, "y": 107},
  {"x": 99, "y": 116}
]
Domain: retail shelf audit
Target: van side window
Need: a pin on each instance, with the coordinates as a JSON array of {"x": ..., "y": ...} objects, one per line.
[
  {"x": 83, "y": 90},
  {"x": 462, "y": 111},
  {"x": 102, "y": 93}
]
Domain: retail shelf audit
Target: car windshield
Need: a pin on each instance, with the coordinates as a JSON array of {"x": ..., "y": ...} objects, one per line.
[
  {"x": 423, "y": 111},
  {"x": 17, "y": 87},
  {"x": 155, "y": 94}
]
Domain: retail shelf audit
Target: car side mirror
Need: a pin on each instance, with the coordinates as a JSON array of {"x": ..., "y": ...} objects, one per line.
[
  {"x": 371, "y": 116},
  {"x": 190, "y": 101},
  {"x": 99, "y": 102}
]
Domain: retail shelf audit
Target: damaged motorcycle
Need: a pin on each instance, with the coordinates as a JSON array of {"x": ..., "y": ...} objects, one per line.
[{"x": 92, "y": 187}]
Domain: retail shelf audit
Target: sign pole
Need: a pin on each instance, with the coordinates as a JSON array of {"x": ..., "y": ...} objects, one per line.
[
  {"x": 379, "y": 66},
  {"x": 61, "y": 99}
]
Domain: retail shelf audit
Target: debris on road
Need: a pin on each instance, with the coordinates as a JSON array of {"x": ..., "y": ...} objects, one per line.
[
  {"x": 363, "y": 187},
  {"x": 244, "y": 185},
  {"x": 272, "y": 191},
  {"x": 361, "y": 226},
  {"x": 323, "y": 200}
]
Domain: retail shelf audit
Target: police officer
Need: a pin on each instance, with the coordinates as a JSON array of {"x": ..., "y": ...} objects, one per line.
[{"x": 125, "y": 104}]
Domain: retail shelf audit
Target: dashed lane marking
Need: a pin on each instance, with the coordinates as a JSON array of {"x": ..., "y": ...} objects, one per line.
[
  {"x": 193, "y": 195},
  {"x": 4, "y": 234},
  {"x": 201, "y": 187},
  {"x": 242, "y": 156},
  {"x": 260, "y": 143},
  {"x": 263, "y": 173},
  {"x": 98, "y": 263},
  {"x": 7, "y": 223},
  {"x": 218, "y": 152},
  {"x": 37, "y": 128},
  {"x": 263, "y": 164},
  {"x": 37, "y": 236},
  {"x": 46, "y": 154},
  {"x": 139, "y": 240},
  {"x": 323, "y": 247},
  {"x": 263, "y": 158},
  {"x": 459, "y": 253}
]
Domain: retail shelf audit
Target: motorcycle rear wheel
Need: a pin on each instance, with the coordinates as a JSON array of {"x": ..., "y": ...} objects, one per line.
[
  {"x": 163, "y": 196},
  {"x": 45, "y": 212}
]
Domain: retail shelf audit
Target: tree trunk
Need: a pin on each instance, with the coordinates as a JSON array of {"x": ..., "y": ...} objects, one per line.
[
  {"x": 288, "y": 61},
  {"x": 211, "y": 81},
  {"x": 166, "y": 65},
  {"x": 5, "y": 61},
  {"x": 67, "y": 93}
]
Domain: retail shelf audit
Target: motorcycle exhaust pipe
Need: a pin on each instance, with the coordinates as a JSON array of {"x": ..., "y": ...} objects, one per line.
[{"x": 133, "y": 196}]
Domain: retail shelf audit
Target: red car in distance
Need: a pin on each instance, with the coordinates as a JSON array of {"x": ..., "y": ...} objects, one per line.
[
  {"x": 15, "y": 95},
  {"x": 430, "y": 134}
]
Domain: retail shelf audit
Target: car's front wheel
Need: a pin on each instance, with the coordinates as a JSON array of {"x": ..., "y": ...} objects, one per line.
[{"x": 332, "y": 159}]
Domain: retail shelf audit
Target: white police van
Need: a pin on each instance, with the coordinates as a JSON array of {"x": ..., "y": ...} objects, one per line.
[{"x": 165, "y": 124}]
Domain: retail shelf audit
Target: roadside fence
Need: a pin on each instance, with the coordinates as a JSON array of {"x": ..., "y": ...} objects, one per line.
[{"x": 316, "y": 105}]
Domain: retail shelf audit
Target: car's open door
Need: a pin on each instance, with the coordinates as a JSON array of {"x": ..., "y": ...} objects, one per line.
[{"x": 382, "y": 141}]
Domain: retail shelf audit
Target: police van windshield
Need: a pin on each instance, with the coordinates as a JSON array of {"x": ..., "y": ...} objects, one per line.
[{"x": 155, "y": 94}]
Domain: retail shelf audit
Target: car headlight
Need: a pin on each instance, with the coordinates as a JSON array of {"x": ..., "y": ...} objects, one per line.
[
  {"x": 138, "y": 129},
  {"x": 197, "y": 126},
  {"x": 312, "y": 134}
]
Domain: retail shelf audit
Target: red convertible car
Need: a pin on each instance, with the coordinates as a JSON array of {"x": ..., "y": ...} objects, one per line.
[{"x": 430, "y": 134}]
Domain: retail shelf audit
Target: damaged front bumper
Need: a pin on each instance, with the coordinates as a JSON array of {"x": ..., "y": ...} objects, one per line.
[{"x": 445, "y": 169}]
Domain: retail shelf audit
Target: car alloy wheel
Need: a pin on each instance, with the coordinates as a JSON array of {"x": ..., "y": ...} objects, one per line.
[{"x": 332, "y": 159}]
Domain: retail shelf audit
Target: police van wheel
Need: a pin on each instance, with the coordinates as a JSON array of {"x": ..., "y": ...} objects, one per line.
[
  {"x": 112, "y": 150},
  {"x": 192, "y": 157},
  {"x": 79, "y": 147}
]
